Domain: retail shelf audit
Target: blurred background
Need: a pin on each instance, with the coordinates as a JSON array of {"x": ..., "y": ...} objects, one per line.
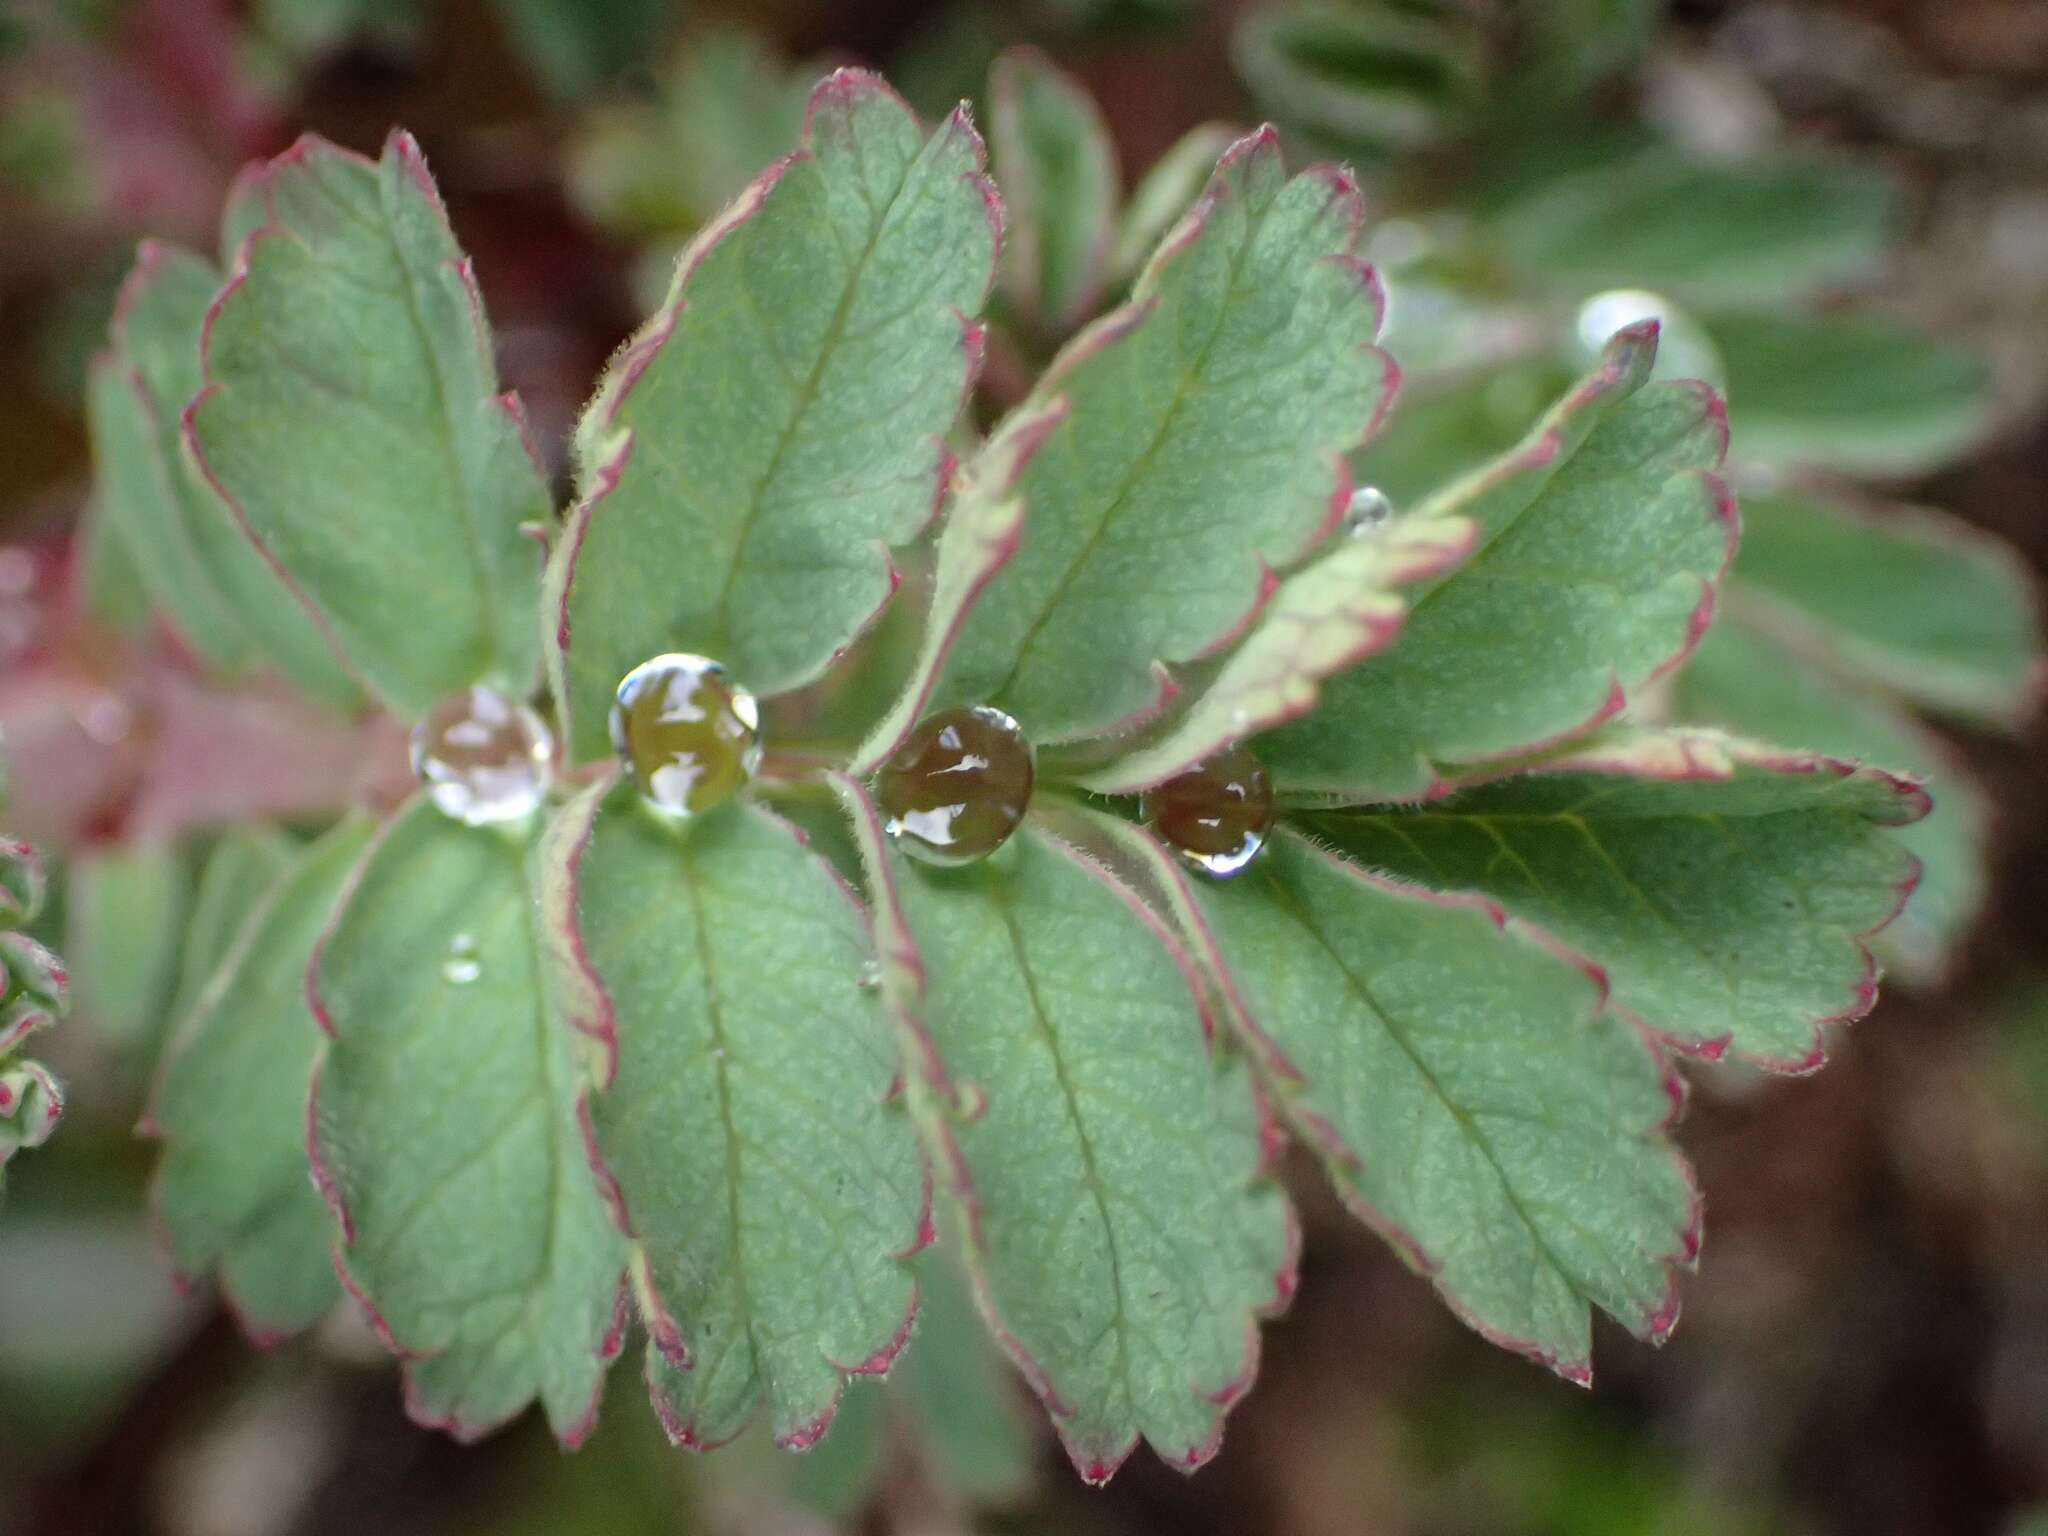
[{"x": 1841, "y": 212}]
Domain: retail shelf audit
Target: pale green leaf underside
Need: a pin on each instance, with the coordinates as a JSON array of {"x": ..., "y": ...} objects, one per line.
[
  {"x": 352, "y": 417},
  {"x": 197, "y": 566},
  {"x": 1724, "y": 888},
  {"x": 1473, "y": 1100},
  {"x": 1603, "y": 535},
  {"x": 1122, "y": 1236},
  {"x": 1922, "y": 606},
  {"x": 1201, "y": 446},
  {"x": 1057, "y": 168},
  {"x": 1744, "y": 679},
  {"x": 445, "y": 1127},
  {"x": 782, "y": 419},
  {"x": 232, "y": 1191},
  {"x": 772, "y": 1188}
]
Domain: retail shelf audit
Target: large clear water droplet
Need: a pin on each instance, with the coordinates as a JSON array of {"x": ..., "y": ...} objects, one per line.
[
  {"x": 687, "y": 733},
  {"x": 484, "y": 757},
  {"x": 462, "y": 965},
  {"x": 1217, "y": 814},
  {"x": 1368, "y": 511},
  {"x": 957, "y": 787}
]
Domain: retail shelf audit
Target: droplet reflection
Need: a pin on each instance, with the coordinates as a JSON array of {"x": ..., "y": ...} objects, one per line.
[
  {"x": 1217, "y": 814},
  {"x": 687, "y": 733},
  {"x": 484, "y": 757},
  {"x": 1368, "y": 512},
  {"x": 957, "y": 787}
]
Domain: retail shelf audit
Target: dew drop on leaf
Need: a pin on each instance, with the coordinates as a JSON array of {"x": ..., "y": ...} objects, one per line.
[
  {"x": 484, "y": 757},
  {"x": 1217, "y": 814},
  {"x": 870, "y": 976},
  {"x": 1368, "y": 512},
  {"x": 957, "y": 787},
  {"x": 462, "y": 966},
  {"x": 687, "y": 733}
]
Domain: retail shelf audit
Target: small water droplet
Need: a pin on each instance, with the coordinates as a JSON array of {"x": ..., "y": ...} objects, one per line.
[
  {"x": 870, "y": 976},
  {"x": 1368, "y": 512},
  {"x": 1217, "y": 814},
  {"x": 957, "y": 787},
  {"x": 484, "y": 757},
  {"x": 1684, "y": 348},
  {"x": 686, "y": 732},
  {"x": 462, "y": 966}
]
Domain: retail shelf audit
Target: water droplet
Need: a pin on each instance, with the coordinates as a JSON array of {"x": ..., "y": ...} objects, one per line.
[
  {"x": 687, "y": 733},
  {"x": 483, "y": 757},
  {"x": 1217, "y": 814},
  {"x": 870, "y": 976},
  {"x": 1368, "y": 512},
  {"x": 1684, "y": 349},
  {"x": 957, "y": 787},
  {"x": 462, "y": 966}
]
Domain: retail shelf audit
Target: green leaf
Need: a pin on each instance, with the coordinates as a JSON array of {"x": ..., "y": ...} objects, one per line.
[
  {"x": 240, "y": 870},
  {"x": 445, "y": 1134},
  {"x": 574, "y": 46},
  {"x": 197, "y": 566},
  {"x": 123, "y": 911},
  {"x": 1916, "y": 603},
  {"x": 1569, "y": 45},
  {"x": 1767, "y": 230},
  {"x": 1164, "y": 194},
  {"x": 351, "y": 418},
  {"x": 34, "y": 993},
  {"x": 1199, "y": 448},
  {"x": 1860, "y": 394},
  {"x": 1724, "y": 887},
  {"x": 110, "y": 576},
  {"x": 233, "y": 1191},
  {"x": 1602, "y": 538},
  {"x": 1743, "y": 679},
  {"x": 1108, "y": 1163},
  {"x": 1056, "y": 165},
  {"x": 1473, "y": 1099},
  {"x": 772, "y": 1191},
  {"x": 1343, "y": 608},
  {"x": 780, "y": 422}
]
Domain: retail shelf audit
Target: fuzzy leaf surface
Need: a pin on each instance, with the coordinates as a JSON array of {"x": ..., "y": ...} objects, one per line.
[
  {"x": 772, "y": 1192},
  {"x": 198, "y": 567},
  {"x": 232, "y": 1190},
  {"x": 353, "y": 422},
  {"x": 1118, "y": 1223},
  {"x": 1601, "y": 540},
  {"x": 1860, "y": 395},
  {"x": 1473, "y": 1100},
  {"x": 781, "y": 421},
  {"x": 445, "y": 1136},
  {"x": 1057, "y": 168},
  {"x": 1725, "y": 888},
  {"x": 1201, "y": 447},
  {"x": 1744, "y": 679},
  {"x": 1919, "y": 604}
]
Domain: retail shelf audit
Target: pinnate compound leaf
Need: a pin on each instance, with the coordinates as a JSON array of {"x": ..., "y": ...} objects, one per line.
[
  {"x": 1744, "y": 679},
  {"x": 1862, "y": 394},
  {"x": 197, "y": 566},
  {"x": 444, "y": 1133},
  {"x": 1602, "y": 538},
  {"x": 1915, "y": 603},
  {"x": 1108, "y": 1163},
  {"x": 1057, "y": 168},
  {"x": 233, "y": 1191},
  {"x": 1474, "y": 1100},
  {"x": 781, "y": 421},
  {"x": 745, "y": 1131},
  {"x": 1201, "y": 447},
  {"x": 1726, "y": 888},
  {"x": 1340, "y": 610},
  {"x": 351, "y": 419}
]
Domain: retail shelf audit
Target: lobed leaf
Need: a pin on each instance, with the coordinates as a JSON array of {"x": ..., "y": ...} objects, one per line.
[
  {"x": 1724, "y": 887},
  {"x": 1057, "y": 167},
  {"x": 781, "y": 421},
  {"x": 1109, "y": 1166},
  {"x": 1917, "y": 604},
  {"x": 352, "y": 421},
  {"x": 222, "y": 598},
  {"x": 1473, "y": 1099},
  {"x": 1200, "y": 447},
  {"x": 444, "y": 1132},
  {"x": 1163, "y": 195},
  {"x": 1602, "y": 539},
  {"x": 232, "y": 1192},
  {"x": 1343, "y": 608},
  {"x": 744, "y": 1133}
]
